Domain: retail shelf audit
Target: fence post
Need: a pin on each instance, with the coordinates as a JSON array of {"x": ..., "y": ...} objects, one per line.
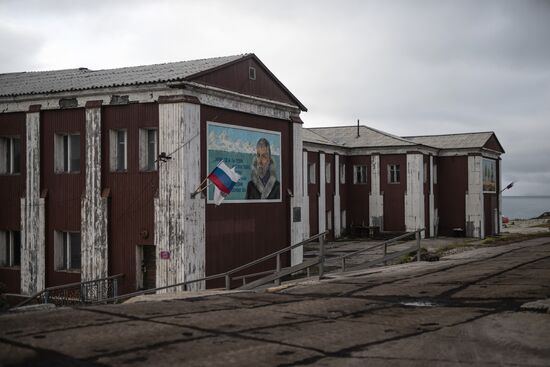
[
  {"x": 227, "y": 282},
  {"x": 321, "y": 256},
  {"x": 418, "y": 248},
  {"x": 278, "y": 280}
]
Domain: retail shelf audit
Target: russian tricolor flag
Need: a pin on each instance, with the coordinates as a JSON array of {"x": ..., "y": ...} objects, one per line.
[{"x": 224, "y": 178}]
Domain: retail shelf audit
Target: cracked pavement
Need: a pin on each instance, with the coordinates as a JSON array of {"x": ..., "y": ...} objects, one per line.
[{"x": 462, "y": 310}]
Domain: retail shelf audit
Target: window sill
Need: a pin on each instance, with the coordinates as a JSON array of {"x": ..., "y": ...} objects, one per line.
[
  {"x": 10, "y": 174},
  {"x": 17, "y": 267},
  {"x": 70, "y": 271},
  {"x": 148, "y": 170},
  {"x": 121, "y": 171},
  {"x": 67, "y": 173},
  {"x": 394, "y": 183}
]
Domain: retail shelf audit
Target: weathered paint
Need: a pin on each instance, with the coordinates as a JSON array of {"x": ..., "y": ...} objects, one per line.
[
  {"x": 180, "y": 219},
  {"x": 305, "y": 198},
  {"x": 322, "y": 195},
  {"x": 414, "y": 196},
  {"x": 475, "y": 226},
  {"x": 296, "y": 201},
  {"x": 33, "y": 240},
  {"x": 376, "y": 200},
  {"x": 432, "y": 198},
  {"x": 94, "y": 245},
  {"x": 337, "y": 210}
]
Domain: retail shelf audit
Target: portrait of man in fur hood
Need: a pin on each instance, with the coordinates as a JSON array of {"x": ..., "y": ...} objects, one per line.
[{"x": 263, "y": 182}]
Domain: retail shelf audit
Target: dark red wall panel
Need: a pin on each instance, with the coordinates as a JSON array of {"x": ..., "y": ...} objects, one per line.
[
  {"x": 394, "y": 193},
  {"x": 452, "y": 186},
  {"x": 12, "y": 189},
  {"x": 64, "y": 190},
  {"x": 237, "y": 233},
  {"x": 358, "y": 194},
  {"x": 313, "y": 195},
  {"x": 131, "y": 201}
]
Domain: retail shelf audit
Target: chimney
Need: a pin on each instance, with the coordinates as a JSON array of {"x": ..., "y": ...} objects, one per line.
[{"x": 358, "y": 135}]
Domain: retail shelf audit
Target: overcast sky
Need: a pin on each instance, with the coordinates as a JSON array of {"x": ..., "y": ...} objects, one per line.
[{"x": 405, "y": 67}]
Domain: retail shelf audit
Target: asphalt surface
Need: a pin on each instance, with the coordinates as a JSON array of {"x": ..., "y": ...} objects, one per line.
[{"x": 463, "y": 310}]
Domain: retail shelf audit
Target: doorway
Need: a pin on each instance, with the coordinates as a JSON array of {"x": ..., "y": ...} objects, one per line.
[{"x": 145, "y": 267}]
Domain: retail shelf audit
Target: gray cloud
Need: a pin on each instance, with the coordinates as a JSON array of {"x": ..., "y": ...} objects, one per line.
[{"x": 409, "y": 68}]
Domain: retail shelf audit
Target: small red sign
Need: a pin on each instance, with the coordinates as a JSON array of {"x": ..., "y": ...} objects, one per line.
[{"x": 165, "y": 255}]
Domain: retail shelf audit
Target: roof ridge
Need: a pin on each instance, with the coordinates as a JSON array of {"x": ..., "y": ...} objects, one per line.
[
  {"x": 391, "y": 135},
  {"x": 322, "y": 136},
  {"x": 126, "y": 67},
  {"x": 453, "y": 134}
]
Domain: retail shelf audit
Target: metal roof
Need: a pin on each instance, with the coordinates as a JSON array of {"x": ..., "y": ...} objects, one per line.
[
  {"x": 346, "y": 136},
  {"x": 312, "y": 137},
  {"x": 37, "y": 82},
  {"x": 453, "y": 141}
]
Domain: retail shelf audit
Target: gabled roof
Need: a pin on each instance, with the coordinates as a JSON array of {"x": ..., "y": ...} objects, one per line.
[
  {"x": 40, "y": 82},
  {"x": 37, "y": 82},
  {"x": 346, "y": 136},
  {"x": 456, "y": 141},
  {"x": 312, "y": 137}
]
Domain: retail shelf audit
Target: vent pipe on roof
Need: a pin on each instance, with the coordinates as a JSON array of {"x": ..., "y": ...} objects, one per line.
[{"x": 358, "y": 135}]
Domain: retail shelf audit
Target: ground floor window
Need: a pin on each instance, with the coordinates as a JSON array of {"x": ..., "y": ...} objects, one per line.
[
  {"x": 359, "y": 174},
  {"x": 10, "y": 155},
  {"x": 10, "y": 248},
  {"x": 67, "y": 250}
]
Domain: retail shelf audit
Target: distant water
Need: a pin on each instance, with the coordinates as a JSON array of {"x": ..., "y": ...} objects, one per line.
[{"x": 515, "y": 207}]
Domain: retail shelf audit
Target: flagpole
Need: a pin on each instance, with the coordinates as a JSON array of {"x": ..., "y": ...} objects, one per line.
[{"x": 198, "y": 189}]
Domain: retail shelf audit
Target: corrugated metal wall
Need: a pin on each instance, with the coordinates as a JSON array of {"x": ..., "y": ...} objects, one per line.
[
  {"x": 239, "y": 233},
  {"x": 394, "y": 193},
  {"x": 64, "y": 190},
  {"x": 131, "y": 211},
  {"x": 12, "y": 188},
  {"x": 452, "y": 179}
]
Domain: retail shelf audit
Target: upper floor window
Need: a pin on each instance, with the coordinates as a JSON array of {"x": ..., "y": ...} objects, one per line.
[
  {"x": 489, "y": 175},
  {"x": 148, "y": 149},
  {"x": 434, "y": 173},
  {"x": 67, "y": 250},
  {"x": 10, "y": 155},
  {"x": 10, "y": 248},
  {"x": 393, "y": 173},
  {"x": 359, "y": 174},
  {"x": 425, "y": 172},
  {"x": 311, "y": 169},
  {"x": 343, "y": 173},
  {"x": 67, "y": 152},
  {"x": 328, "y": 168},
  {"x": 118, "y": 149}
]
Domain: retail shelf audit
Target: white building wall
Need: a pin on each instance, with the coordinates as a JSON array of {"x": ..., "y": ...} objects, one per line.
[
  {"x": 322, "y": 194},
  {"x": 432, "y": 198},
  {"x": 296, "y": 202},
  {"x": 474, "y": 198},
  {"x": 305, "y": 201},
  {"x": 180, "y": 219},
  {"x": 337, "y": 214},
  {"x": 414, "y": 196},
  {"x": 94, "y": 241},
  {"x": 376, "y": 200},
  {"x": 33, "y": 240}
]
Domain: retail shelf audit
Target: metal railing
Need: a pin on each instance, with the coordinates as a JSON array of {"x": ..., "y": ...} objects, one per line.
[
  {"x": 86, "y": 292},
  {"x": 387, "y": 257},
  {"x": 228, "y": 275}
]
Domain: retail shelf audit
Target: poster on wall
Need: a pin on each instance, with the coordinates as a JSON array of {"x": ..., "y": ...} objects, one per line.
[
  {"x": 256, "y": 156},
  {"x": 489, "y": 175}
]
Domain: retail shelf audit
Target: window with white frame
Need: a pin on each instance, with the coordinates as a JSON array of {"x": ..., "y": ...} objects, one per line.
[
  {"x": 311, "y": 169},
  {"x": 434, "y": 173},
  {"x": 118, "y": 150},
  {"x": 67, "y": 250},
  {"x": 328, "y": 175},
  {"x": 393, "y": 173},
  {"x": 67, "y": 152},
  {"x": 10, "y": 155},
  {"x": 148, "y": 149},
  {"x": 10, "y": 248},
  {"x": 329, "y": 220},
  {"x": 343, "y": 173},
  {"x": 360, "y": 174}
]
